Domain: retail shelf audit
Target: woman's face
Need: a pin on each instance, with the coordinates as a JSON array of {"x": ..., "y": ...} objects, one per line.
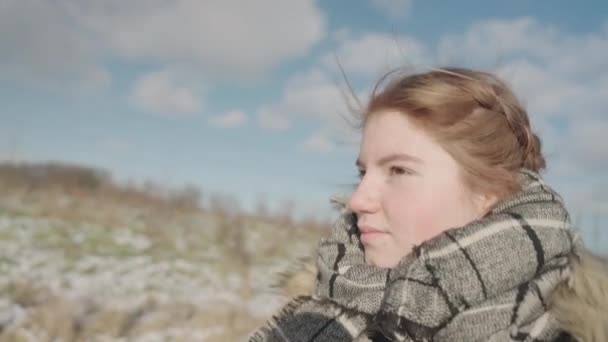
[{"x": 411, "y": 189}]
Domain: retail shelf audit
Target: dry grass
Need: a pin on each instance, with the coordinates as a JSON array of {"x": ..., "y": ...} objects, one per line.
[
  {"x": 80, "y": 193},
  {"x": 53, "y": 317},
  {"x": 85, "y": 259}
]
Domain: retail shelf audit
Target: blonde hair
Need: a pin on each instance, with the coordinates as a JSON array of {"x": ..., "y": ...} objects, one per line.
[{"x": 474, "y": 116}]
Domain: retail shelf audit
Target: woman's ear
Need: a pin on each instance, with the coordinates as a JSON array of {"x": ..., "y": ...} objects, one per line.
[{"x": 484, "y": 202}]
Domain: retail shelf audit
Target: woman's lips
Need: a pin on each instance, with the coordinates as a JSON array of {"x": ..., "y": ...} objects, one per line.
[{"x": 370, "y": 233}]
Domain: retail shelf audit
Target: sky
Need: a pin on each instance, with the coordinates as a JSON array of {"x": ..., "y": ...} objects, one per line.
[{"x": 246, "y": 97}]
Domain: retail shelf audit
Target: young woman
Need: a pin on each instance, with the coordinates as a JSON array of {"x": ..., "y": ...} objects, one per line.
[{"x": 451, "y": 234}]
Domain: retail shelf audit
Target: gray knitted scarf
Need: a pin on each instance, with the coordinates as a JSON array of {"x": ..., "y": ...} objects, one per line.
[{"x": 487, "y": 281}]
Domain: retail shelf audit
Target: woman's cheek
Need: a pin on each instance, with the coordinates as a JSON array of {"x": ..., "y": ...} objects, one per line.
[{"x": 419, "y": 220}]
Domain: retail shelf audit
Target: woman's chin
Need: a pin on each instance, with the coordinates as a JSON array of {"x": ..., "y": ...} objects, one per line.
[
  {"x": 379, "y": 261},
  {"x": 381, "y": 257}
]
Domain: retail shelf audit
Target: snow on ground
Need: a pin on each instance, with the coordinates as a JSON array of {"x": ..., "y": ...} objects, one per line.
[{"x": 70, "y": 281}]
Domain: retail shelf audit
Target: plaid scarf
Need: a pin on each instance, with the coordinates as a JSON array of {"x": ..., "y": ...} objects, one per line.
[{"x": 488, "y": 280}]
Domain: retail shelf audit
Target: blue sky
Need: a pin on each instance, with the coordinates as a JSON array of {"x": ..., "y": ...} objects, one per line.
[{"x": 244, "y": 97}]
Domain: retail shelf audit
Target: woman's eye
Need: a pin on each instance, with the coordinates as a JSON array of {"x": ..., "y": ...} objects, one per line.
[{"x": 396, "y": 170}]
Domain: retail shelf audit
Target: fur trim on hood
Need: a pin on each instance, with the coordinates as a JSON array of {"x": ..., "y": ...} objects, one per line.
[{"x": 581, "y": 306}]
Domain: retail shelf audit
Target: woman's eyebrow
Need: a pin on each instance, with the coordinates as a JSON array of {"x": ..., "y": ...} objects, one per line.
[{"x": 392, "y": 157}]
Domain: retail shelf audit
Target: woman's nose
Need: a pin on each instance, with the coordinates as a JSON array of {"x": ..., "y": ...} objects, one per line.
[{"x": 364, "y": 199}]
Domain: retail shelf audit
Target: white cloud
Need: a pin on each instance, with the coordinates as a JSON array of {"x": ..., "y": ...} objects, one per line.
[
  {"x": 314, "y": 97},
  {"x": 229, "y": 119},
  {"x": 538, "y": 59},
  {"x": 543, "y": 91},
  {"x": 42, "y": 45},
  {"x": 318, "y": 143},
  {"x": 229, "y": 36},
  {"x": 308, "y": 96},
  {"x": 159, "y": 92},
  {"x": 320, "y": 94},
  {"x": 589, "y": 143},
  {"x": 491, "y": 42},
  {"x": 393, "y": 8},
  {"x": 271, "y": 119},
  {"x": 72, "y": 40},
  {"x": 588, "y": 196},
  {"x": 376, "y": 53}
]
